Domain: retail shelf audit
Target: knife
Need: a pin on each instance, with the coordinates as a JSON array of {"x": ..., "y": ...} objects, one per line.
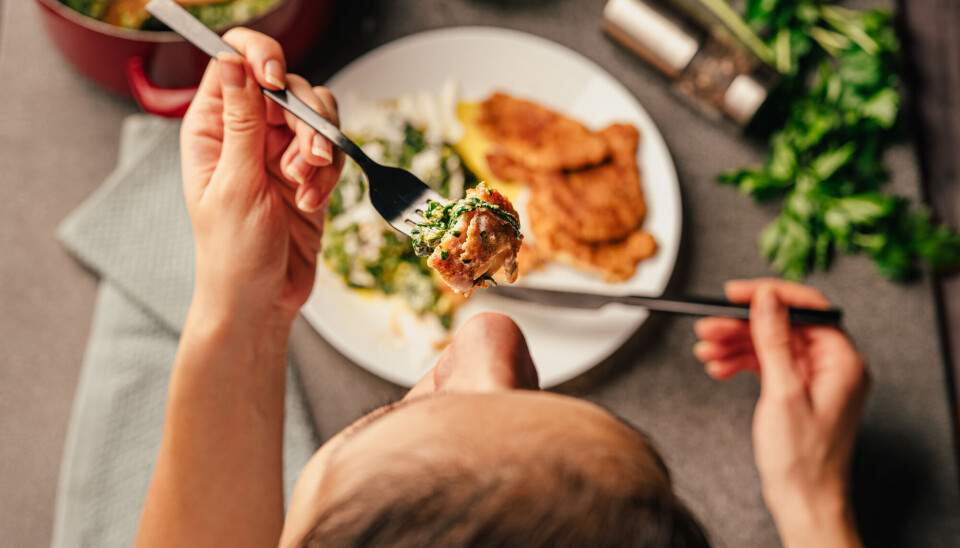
[{"x": 692, "y": 306}]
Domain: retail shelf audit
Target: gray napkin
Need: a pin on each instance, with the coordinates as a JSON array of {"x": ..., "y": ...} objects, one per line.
[{"x": 134, "y": 232}]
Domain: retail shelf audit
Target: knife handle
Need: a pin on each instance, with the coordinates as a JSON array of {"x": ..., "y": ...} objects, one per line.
[{"x": 696, "y": 306}]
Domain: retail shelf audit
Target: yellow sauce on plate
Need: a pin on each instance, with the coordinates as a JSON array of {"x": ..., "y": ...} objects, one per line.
[{"x": 473, "y": 147}]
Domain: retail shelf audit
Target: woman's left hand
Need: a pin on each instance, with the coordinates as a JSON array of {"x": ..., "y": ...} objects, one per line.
[{"x": 256, "y": 181}]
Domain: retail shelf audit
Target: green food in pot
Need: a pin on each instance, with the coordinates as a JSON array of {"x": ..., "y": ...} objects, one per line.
[
  {"x": 91, "y": 8},
  {"x": 229, "y": 13},
  {"x": 132, "y": 13}
]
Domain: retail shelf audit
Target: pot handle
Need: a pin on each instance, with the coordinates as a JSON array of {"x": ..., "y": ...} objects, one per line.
[{"x": 166, "y": 102}]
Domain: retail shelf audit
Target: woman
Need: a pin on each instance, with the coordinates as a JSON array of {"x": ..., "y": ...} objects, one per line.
[{"x": 475, "y": 454}]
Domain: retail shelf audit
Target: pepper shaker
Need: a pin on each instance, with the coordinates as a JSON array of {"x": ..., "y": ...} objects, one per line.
[{"x": 720, "y": 75}]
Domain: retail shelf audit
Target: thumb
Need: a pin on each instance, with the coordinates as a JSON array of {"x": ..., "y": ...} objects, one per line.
[
  {"x": 244, "y": 122},
  {"x": 770, "y": 331}
]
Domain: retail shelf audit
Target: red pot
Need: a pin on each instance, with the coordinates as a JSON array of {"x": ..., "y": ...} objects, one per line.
[{"x": 160, "y": 69}]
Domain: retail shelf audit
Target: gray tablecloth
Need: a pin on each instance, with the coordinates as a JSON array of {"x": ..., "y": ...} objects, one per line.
[
  {"x": 58, "y": 140},
  {"x": 932, "y": 29}
]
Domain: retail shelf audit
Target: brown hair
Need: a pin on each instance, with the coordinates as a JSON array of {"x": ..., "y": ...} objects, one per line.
[{"x": 578, "y": 496}]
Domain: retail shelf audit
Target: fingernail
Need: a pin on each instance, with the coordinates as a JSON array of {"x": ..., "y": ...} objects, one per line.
[
  {"x": 319, "y": 150},
  {"x": 769, "y": 304},
  {"x": 273, "y": 73},
  {"x": 713, "y": 368},
  {"x": 698, "y": 348},
  {"x": 232, "y": 72},
  {"x": 309, "y": 201},
  {"x": 293, "y": 170},
  {"x": 697, "y": 324}
]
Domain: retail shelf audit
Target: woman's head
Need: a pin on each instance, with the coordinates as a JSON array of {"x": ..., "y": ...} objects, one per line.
[{"x": 476, "y": 456}]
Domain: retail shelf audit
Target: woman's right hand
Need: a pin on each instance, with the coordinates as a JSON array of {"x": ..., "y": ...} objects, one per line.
[
  {"x": 813, "y": 388},
  {"x": 256, "y": 181}
]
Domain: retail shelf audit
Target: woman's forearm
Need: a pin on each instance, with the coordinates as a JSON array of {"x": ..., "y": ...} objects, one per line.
[
  {"x": 818, "y": 522},
  {"x": 218, "y": 479}
]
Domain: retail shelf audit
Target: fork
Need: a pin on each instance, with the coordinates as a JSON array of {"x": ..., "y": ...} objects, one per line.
[{"x": 397, "y": 195}]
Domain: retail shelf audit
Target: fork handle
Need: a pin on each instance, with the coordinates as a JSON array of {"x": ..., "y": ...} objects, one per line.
[
  {"x": 186, "y": 25},
  {"x": 294, "y": 105}
]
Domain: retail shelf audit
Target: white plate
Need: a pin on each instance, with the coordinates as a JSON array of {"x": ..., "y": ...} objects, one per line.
[{"x": 564, "y": 342}]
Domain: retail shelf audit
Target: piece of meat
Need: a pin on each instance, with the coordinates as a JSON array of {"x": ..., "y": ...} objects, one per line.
[
  {"x": 539, "y": 138},
  {"x": 596, "y": 204},
  {"x": 506, "y": 168},
  {"x": 478, "y": 244},
  {"x": 586, "y": 204},
  {"x": 529, "y": 259},
  {"x": 616, "y": 260}
]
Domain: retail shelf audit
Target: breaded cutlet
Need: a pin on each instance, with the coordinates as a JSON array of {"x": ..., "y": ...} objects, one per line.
[
  {"x": 615, "y": 260},
  {"x": 597, "y": 204},
  {"x": 537, "y": 137}
]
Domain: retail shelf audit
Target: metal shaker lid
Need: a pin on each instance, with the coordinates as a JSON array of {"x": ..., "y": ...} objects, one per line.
[
  {"x": 653, "y": 32},
  {"x": 743, "y": 98}
]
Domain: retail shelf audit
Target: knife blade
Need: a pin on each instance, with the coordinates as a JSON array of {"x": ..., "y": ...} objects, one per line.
[{"x": 692, "y": 306}]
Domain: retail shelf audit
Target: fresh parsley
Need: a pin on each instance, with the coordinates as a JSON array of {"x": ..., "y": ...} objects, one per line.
[{"x": 839, "y": 93}]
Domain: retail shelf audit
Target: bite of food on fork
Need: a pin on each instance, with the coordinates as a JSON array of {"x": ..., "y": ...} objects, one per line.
[{"x": 470, "y": 239}]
